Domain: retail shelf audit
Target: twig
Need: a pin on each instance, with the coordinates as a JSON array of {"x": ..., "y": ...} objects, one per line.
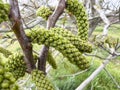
[
  {"x": 94, "y": 74},
  {"x": 92, "y": 55},
  {"x": 118, "y": 46},
  {"x": 17, "y": 27},
  {"x": 108, "y": 51},
  {"x": 75, "y": 74},
  {"x": 103, "y": 17}
]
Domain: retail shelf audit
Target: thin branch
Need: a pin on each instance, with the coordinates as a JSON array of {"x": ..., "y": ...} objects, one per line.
[
  {"x": 28, "y": 25},
  {"x": 17, "y": 27},
  {"x": 50, "y": 23},
  {"x": 106, "y": 49},
  {"x": 103, "y": 17},
  {"x": 107, "y": 15},
  {"x": 75, "y": 74},
  {"x": 118, "y": 46},
  {"x": 95, "y": 73},
  {"x": 92, "y": 55}
]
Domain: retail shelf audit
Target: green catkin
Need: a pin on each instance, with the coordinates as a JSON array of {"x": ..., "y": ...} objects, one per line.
[
  {"x": 41, "y": 36},
  {"x": 43, "y": 12},
  {"x": 5, "y": 52},
  {"x": 41, "y": 80},
  {"x": 7, "y": 80},
  {"x": 4, "y": 11},
  {"x": 16, "y": 65},
  {"x": 77, "y": 9},
  {"x": 81, "y": 45},
  {"x": 51, "y": 60}
]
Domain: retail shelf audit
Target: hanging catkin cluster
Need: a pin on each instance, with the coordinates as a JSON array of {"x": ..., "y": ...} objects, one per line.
[
  {"x": 69, "y": 45},
  {"x": 44, "y": 12},
  {"x": 77, "y": 9},
  {"x": 16, "y": 65},
  {"x": 4, "y": 10},
  {"x": 81, "y": 45},
  {"x": 7, "y": 80},
  {"x": 46, "y": 37},
  {"x": 41, "y": 81}
]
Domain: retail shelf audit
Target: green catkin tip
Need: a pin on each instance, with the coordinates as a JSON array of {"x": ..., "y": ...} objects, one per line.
[
  {"x": 41, "y": 80},
  {"x": 78, "y": 10},
  {"x": 44, "y": 12},
  {"x": 51, "y": 60}
]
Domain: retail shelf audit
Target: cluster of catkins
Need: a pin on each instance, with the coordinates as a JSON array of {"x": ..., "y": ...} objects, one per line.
[
  {"x": 16, "y": 65},
  {"x": 80, "y": 44},
  {"x": 13, "y": 69},
  {"x": 44, "y": 12},
  {"x": 48, "y": 38},
  {"x": 4, "y": 10},
  {"x": 7, "y": 80},
  {"x": 41, "y": 80},
  {"x": 70, "y": 45}
]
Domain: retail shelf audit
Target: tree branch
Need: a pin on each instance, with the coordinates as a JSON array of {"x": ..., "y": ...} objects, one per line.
[
  {"x": 17, "y": 27},
  {"x": 92, "y": 55},
  {"x": 50, "y": 23},
  {"x": 75, "y": 74},
  {"x": 103, "y": 17},
  {"x": 95, "y": 73}
]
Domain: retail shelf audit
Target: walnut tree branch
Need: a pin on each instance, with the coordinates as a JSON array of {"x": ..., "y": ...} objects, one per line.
[
  {"x": 50, "y": 23},
  {"x": 95, "y": 73},
  {"x": 17, "y": 28},
  {"x": 103, "y": 17}
]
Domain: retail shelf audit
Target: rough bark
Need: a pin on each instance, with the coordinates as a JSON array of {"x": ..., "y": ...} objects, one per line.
[{"x": 17, "y": 27}]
